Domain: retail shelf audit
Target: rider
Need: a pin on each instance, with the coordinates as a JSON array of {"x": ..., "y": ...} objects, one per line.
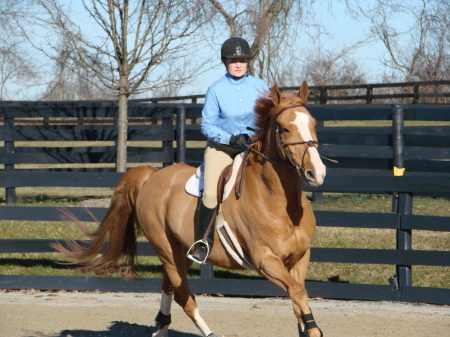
[{"x": 227, "y": 119}]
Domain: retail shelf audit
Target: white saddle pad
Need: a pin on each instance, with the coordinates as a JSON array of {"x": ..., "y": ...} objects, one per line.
[
  {"x": 194, "y": 185},
  {"x": 230, "y": 242}
]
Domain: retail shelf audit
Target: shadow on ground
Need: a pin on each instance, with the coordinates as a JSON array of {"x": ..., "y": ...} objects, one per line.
[{"x": 117, "y": 329}]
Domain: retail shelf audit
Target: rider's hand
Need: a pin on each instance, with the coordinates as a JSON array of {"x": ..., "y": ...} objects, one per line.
[{"x": 239, "y": 140}]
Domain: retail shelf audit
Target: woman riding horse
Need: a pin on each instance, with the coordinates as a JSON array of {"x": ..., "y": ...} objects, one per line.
[
  {"x": 271, "y": 219},
  {"x": 227, "y": 121}
]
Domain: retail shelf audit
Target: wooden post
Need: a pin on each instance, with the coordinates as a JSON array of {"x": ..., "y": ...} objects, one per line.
[
  {"x": 416, "y": 93},
  {"x": 10, "y": 192},
  {"x": 181, "y": 134},
  {"x": 404, "y": 240},
  {"x": 317, "y": 197},
  {"x": 397, "y": 148},
  {"x": 207, "y": 271},
  {"x": 323, "y": 95},
  {"x": 401, "y": 202},
  {"x": 369, "y": 94},
  {"x": 167, "y": 146}
]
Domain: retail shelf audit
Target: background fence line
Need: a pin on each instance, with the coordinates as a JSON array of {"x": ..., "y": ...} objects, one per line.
[
  {"x": 404, "y": 92},
  {"x": 366, "y": 157}
]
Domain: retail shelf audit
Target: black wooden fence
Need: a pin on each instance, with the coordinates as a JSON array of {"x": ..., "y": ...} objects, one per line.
[
  {"x": 366, "y": 158},
  {"x": 379, "y": 93}
]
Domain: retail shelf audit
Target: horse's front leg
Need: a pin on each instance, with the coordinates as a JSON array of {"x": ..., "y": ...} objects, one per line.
[
  {"x": 305, "y": 319},
  {"x": 273, "y": 269}
]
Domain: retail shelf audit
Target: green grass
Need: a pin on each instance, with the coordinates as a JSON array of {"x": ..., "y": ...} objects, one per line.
[{"x": 425, "y": 276}]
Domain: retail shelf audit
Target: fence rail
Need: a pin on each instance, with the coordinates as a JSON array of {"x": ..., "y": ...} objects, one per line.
[
  {"x": 405, "y": 93},
  {"x": 366, "y": 157}
]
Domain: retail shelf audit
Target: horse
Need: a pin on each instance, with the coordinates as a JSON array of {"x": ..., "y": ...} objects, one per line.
[{"x": 271, "y": 218}]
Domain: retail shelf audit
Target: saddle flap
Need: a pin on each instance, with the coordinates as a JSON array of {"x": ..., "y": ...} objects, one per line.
[
  {"x": 195, "y": 183},
  {"x": 224, "y": 178}
]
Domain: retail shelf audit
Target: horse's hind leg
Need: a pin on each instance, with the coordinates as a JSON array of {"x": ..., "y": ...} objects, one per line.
[
  {"x": 186, "y": 299},
  {"x": 163, "y": 318},
  {"x": 175, "y": 283}
]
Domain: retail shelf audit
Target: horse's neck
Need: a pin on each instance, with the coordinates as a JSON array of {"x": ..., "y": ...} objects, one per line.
[{"x": 278, "y": 180}]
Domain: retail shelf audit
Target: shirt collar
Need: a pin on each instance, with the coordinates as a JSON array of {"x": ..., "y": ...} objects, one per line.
[{"x": 236, "y": 80}]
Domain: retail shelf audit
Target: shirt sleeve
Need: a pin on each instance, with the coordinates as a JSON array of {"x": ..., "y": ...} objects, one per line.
[{"x": 210, "y": 119}]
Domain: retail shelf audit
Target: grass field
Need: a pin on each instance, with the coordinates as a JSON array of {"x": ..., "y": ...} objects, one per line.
[{"x": 426, "y": 276}]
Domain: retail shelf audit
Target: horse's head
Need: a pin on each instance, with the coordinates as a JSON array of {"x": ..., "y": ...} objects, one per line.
[{"x": 290, "y": 129}]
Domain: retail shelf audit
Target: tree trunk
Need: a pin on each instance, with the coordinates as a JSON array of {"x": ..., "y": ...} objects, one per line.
[{"x": 122, "y": 133}]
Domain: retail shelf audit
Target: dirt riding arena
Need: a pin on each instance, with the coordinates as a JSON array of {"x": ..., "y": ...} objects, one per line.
[{"x": 39, "y": 314}]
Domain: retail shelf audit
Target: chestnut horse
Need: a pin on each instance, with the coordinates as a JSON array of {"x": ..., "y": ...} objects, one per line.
[{"x": 272, "y": 219}]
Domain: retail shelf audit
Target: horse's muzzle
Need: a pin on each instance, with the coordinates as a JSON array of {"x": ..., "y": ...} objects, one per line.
[{"x": 313, "y": 178}]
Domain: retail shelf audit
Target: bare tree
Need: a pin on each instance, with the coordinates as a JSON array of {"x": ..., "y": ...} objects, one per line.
[
  {"x": 10, "y": 7},
  {"x": 16, "y": 64},
  {"x": 320, "y": 62},
  {"x": 268, "y": 25},
  {"x": 419, "y": 47},
  {"x": 134, "y": 38},
  {"x": 69, "y": 85}
]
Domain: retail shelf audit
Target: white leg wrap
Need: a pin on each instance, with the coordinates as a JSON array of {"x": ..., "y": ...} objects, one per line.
[
  {"x": 166, "y": 303},
  {"x": 201, "y": 325}
]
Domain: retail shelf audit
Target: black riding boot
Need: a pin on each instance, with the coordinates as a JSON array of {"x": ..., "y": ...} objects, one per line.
[{"x": 205, "y": 215}]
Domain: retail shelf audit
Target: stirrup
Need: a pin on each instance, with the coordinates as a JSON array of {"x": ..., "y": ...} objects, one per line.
[{"x": 193, "y": 249}]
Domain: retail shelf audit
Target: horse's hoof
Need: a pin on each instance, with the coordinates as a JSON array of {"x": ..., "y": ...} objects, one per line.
[
  {"x": 161, "y": 333},
  {"x": 211, "y": 335}
]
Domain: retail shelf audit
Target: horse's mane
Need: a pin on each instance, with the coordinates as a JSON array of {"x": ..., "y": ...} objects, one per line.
[{"x": 265, "y": 111}]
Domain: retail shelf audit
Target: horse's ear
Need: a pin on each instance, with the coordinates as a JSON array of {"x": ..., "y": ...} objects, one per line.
[
  {"x": 275, "y": 94},
  {"x": 304, "y": 91}
]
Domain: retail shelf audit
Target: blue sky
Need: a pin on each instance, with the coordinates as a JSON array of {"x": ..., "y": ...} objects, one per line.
[
  {"x": 331, "y": 14},
  {"x": 345, "y": 30}
]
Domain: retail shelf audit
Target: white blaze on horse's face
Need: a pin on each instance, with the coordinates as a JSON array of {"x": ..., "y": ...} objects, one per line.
[{"x": 316, "y": 174}]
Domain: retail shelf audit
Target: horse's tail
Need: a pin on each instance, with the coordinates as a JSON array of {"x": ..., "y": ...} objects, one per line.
[{"x": 118, "y": 225}]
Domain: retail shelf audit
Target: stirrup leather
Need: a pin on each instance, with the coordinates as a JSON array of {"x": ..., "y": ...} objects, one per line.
[{"x": 196, "y": 245}]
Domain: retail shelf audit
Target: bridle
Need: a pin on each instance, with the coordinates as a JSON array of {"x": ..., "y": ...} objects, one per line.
[
  {"x": 310, "y": 143},
  {"x": 299, "y": 169}
]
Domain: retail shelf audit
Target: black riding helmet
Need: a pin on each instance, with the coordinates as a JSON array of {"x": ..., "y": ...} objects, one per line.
[{"x": 235, "y": 48}]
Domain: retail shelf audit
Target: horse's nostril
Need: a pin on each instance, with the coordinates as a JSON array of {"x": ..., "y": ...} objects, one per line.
[{"x": 309, "y": 175}]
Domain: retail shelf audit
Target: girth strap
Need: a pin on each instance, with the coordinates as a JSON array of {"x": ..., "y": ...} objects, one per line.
[{"x": 241, "y": 178}]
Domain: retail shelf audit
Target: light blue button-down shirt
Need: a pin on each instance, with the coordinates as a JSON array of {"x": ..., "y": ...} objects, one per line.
[{"x": 228, "y": 108}]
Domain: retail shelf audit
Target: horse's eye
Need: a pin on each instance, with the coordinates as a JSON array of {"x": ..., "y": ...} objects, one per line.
[{"x": 284, "y": 130}]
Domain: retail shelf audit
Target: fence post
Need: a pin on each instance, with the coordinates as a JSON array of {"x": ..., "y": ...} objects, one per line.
[
  {"x": 167, "y": 145},
  {"x": 369, "y": 94},
  {"x": 401, "y": 202},
  {"x": 207, "y": 271},
  {"x": 404, "y": 240},
  {"x": 416, "y": 93},
  {"x": 323, "y": 95},
  {"x": 10, "y": 192},
  {"x": 181, "y": 134},
  {"x": 317, "y": 197},
  {"x": 397, "y": 148}
]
